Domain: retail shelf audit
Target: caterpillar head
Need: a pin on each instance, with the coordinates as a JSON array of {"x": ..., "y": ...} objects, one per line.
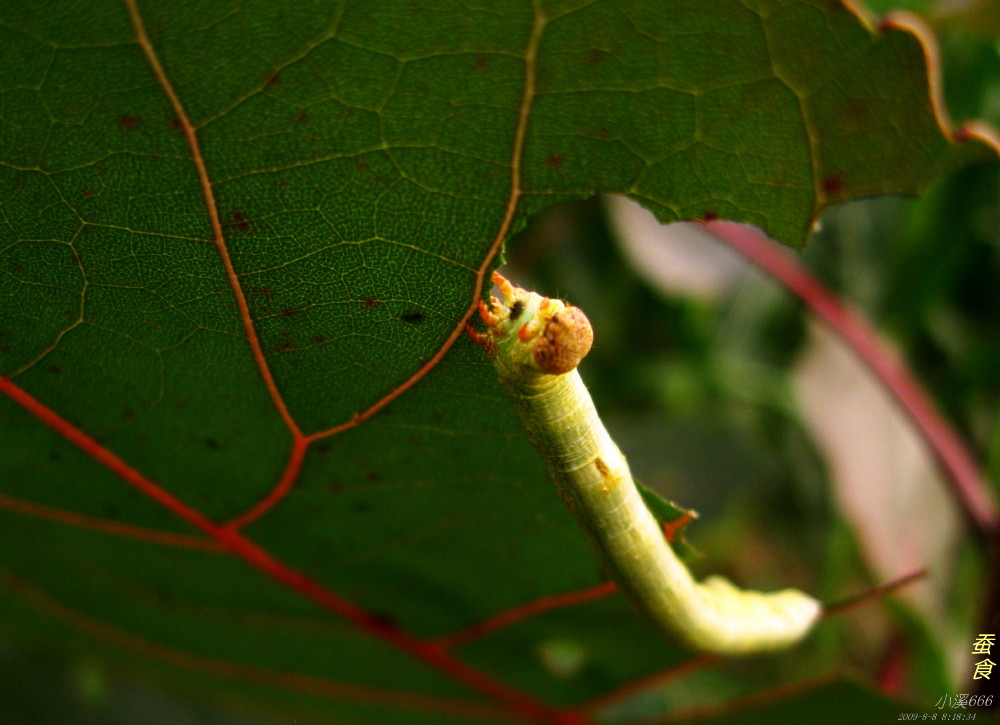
[{"x": 533, "y": 333}]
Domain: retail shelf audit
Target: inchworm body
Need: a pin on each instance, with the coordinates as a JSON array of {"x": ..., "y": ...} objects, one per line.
[{"x": 535, "y": 344}]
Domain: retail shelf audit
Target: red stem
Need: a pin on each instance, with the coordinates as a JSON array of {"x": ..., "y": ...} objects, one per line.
[{"x": 962, "y": 473}]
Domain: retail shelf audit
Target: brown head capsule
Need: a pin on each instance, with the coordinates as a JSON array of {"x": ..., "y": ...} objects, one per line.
[{"x": 565, "y": 341}]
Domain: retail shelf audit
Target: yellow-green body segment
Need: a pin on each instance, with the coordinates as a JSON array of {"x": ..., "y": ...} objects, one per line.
[{"x": 526, "y": 334}]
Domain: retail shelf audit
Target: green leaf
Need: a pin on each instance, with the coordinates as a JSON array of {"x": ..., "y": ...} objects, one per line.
[{"x": 238, "y": 242}]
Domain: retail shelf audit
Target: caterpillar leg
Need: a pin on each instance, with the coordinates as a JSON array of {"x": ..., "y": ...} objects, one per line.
[{"x": 506, "y": 288}]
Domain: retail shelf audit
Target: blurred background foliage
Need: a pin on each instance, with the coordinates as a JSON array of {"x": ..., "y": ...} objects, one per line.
[{"x": 701, "y": 370}]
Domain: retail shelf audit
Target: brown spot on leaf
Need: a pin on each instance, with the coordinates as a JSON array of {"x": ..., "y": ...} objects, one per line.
[
  {"x": 362, "y": 166},
  {"x": 287, "y": 313},
  {"x": 858, "y": 109},
  {"x": 319, "y": 339},
  {"x": 602, "y": 467},
  {"x": 554, "y": 160},
  {"x": 266, "y": 291},
  {"x": 709, "y": 215},
  {"x": 54, "y": 369},
  {"x": 832, "y": 184},
  {"x": 481, "y": 62},
  {"x": 129, "y": 122},
  {"x": 212, "y": 443},
  {"x": 412, "y": 318}
]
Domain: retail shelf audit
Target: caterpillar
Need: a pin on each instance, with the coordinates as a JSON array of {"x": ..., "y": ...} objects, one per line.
[{"x": 535, "y": 344}]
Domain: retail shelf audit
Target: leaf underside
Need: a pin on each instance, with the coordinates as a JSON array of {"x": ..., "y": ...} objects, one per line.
[{"x": 357, "y": 165}]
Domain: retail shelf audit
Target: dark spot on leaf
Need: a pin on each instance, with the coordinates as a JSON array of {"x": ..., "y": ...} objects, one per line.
[
  {"x": 287, "y": 313},
  {"x": 554, "y": 160},
  {"x": 286, "y": 346},
  {"x": 300, "y": 117},
  {"x": 266, "y": 291},
  {"x": 129, "y": 122},
  {"x": 335, "y": 487},
  {"x": 54, "y": 456},
  {"x": 285, "y": 333},
  {"x": 176, "y": 124},
  {"x": 516, "y": 309},
  {"x": 88, "y": 193},
  {"x": 111, "y": 511},
  {"x": 212, "y": 443},
  {"x": 370, "y": 303},
  {"x": 604, "y": 134},
  {"x": 858, "y": 109},
  {"x": 129, "y": 413},
  {"x": 384, "y": 619},
  {"x": 602, "y": 467},
  {"x": 372, "y": 476},
  {"x": 481, "y": 62},
  {"x": 710, "y": 215},
  {"x": 85, "y": 230},
  {"x": 362, "y": 166},
  {"x": 412, "y": 318},
  {"x": 18, "y": 267},
  {"x": 237, "y": 217},
  {"x": 323, "y": 448},
  {"x": 273, "y": 80},
  {"x": 54, "y": 369},
  {"x": 319, "y": 339},
  {"x": 361, "y": 507},
  {"x": 282, "y": 182},
  {"x": 594, "y": 56},
  {"x": 415, "y": 441},
  {"x": 832, "y": 184}
]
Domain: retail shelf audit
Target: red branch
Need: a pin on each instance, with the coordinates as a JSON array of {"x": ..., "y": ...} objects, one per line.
[
  {"x": 523, "y": 611},
  {"x": 960, "y": 468},
  {"x": 259, "y": 558}
]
